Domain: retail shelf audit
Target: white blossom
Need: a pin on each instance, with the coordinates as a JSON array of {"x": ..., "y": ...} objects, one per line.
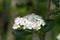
[
  {"x": 28, "y": 25},
  {"x": 58, "y": 36},
  {"x": 22, "y": 21},
  {"x": 31, "y": 21},
  {"x": 17, "y": 20},
  {"x": 15, "y": 26},
  {"x": 36, "y": 27}
]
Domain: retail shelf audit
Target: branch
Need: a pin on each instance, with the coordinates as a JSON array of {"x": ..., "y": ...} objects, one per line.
[{"x": 49, "y": 13}]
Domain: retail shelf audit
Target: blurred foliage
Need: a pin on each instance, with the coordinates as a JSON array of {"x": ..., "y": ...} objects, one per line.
[
  {"x": 41, "y": 8},
  {"x": 22, "y": 10},
  {"x": 1, "y": 6},
  {"x": 56, "y": 2}
]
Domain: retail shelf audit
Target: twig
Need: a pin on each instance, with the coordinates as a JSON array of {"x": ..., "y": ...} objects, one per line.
[{"x": 48, "y": 14}]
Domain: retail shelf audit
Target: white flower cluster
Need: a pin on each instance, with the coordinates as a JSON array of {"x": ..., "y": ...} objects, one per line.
[
  {"x": 31, "y": 21},
  {"x": 58, "y": 36}
]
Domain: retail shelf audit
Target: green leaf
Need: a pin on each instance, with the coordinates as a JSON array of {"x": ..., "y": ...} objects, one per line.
[
  {"x": 20, "y": 33},
  {"x": 48, "y": 26},
  {"x": 56, "y": 2}
]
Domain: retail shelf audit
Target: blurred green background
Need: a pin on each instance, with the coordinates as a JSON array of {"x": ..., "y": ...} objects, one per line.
[{"x": 9, "y": 9}]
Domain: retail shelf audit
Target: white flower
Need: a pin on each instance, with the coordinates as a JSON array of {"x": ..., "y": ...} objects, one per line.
[
  {"x": 29, "y": 17},
  {"x": 36, "y": 27},
  {"x": 36, "y": 17},
  {"x": 31, "y": 21},
  {"x": 42, "y": 22},
  {"x": 28, "y": 25},
  {"x": 58, "y": 36},
  {"x": 17, "y": 20},
  {"x": 22, "y": 21},
  {"x": 15, "y": 26}
]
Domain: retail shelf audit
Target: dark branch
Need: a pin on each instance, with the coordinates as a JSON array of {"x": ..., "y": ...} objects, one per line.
[{"x": 49, "y": 13}]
